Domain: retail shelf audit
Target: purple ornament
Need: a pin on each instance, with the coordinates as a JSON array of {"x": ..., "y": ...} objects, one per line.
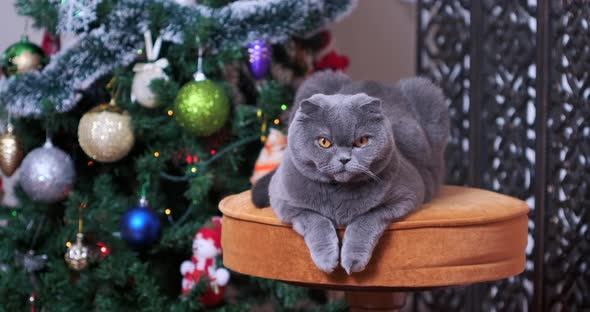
[{"x": 259, "y": 59}]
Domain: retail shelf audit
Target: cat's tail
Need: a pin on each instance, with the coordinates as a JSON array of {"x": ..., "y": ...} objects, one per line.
[
  {"x": 260, "y": 196},
  {"x": 431, "y": 105}
]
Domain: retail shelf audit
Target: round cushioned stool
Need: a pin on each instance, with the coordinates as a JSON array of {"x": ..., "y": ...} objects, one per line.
[{"x": 463, "y": 236}]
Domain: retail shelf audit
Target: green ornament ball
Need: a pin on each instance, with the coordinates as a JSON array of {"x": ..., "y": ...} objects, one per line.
[
  {"x": 22, "y": 57},
  {"x": 201, "y": 107}
]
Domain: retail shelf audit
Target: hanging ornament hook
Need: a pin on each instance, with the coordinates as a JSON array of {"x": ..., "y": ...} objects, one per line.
[
  {"x": 149, "y": 48},
  {"x": 114, "y": 90},
  {"x": 82, "y": 206},
  {"x": 152, "y": 49},
  {"x": 199, "y": 75},
  {"x": 26, "y": 30},
  {"x": 157, "y": 47},
  {"x": 48, "y": 142},
  {"x": 143, "y": 202},
  {"x": 9, "y": 126}
]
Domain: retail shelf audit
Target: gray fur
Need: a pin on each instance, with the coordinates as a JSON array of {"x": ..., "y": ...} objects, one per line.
[{"x": 401, "y": 167}]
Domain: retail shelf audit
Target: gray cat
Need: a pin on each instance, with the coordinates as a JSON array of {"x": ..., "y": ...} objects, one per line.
[{"x": 360, "y": 154}]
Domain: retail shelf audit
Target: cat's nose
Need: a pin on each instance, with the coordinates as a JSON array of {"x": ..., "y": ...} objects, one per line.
[{"x": 344, "y": 160}]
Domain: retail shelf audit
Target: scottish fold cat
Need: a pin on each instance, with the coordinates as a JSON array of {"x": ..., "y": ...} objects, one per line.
[{"x": 360, "y": 154}]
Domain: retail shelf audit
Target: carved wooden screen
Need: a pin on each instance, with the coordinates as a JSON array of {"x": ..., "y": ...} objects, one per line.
[{"x": 518, "y": 77}]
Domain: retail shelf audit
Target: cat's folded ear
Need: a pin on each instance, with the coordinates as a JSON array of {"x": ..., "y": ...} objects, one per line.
[
  {"x": 373, "y": 106},
  {"x": 308, "y": 107}
]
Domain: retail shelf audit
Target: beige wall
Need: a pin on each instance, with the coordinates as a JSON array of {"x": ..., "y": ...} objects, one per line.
[
  {"x": 12, "y": 26},
  {"x": 379, "y": 37}
]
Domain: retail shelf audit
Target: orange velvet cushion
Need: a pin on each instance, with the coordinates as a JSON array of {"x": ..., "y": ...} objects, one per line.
[{"x": 464, "y": 235}]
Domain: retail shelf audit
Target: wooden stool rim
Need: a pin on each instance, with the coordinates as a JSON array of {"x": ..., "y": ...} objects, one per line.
[{"x": 502, "y": 207}]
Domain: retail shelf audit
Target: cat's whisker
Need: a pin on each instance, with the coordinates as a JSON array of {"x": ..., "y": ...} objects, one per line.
[
  {"x": 328, "y": 168},
  {"x": 373, "y": 176},
  {"x": 367, "y": 172}
]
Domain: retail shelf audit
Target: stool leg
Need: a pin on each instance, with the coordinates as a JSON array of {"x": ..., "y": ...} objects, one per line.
[{"x": 360, "y": 301}]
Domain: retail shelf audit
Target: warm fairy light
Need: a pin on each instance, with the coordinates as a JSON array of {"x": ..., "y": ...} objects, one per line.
[
  {"x": 90, "y": 163},
  {"x": 157, "y": 154},
  {"x": 170, "y": 112},
  {"x": 167, "y": 211},
  {"x": 83, "y": 205},
  {"x": 284, "y": 107},
  {"x": 193, "y": 169},
  {"x": 213, "y": 152},
  {"x": 277, "y": 121},
  {"x": 104, "y": 249},
  {"x": 191, "y": 159},
  {"x": 69, "y": 244},
  {"x": 259, "y": 113}
]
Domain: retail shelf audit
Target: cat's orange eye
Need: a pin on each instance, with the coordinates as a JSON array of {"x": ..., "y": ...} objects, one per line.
[
  {"x": 362, "y": 141},
  {"x": 325, "y": 143}
]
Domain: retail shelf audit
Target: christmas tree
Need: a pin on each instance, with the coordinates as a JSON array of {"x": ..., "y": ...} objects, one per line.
[{"x": 127, "y": 139}]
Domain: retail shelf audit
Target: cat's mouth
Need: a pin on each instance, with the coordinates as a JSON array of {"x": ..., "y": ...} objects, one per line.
[{"x": 343, "y": 176}]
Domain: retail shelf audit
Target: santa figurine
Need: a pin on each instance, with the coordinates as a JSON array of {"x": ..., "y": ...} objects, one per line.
[
  {"x": 270, "y": 156},
  {"x": 206, "y": 248}
]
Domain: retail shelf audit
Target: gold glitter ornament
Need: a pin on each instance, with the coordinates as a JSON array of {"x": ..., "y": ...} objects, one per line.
[
  {"x": 201, "y": 107},
  {"x": 11, "y": 152},
  {"x": 105, "y": 133},
  {"x": 77, "y": 255}
]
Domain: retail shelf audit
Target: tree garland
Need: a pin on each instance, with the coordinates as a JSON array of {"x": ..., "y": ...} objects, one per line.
[{"x": 115, "y": 43}]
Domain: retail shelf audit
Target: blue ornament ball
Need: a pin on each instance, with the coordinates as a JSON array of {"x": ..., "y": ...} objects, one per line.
[{"x": 140, "y": 226}]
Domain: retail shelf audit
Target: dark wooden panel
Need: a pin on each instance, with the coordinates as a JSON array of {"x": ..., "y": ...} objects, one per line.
[
  {"x": 517, "y": 74},
  {"x": 567, "y": 238}
]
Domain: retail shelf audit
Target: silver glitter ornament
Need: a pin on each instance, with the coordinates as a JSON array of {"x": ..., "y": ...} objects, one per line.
[{"x": 47, "y": 174}]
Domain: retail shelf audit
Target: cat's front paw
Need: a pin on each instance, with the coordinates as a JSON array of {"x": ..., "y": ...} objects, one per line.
[
  {"x": 354, "y": 259},
  {"x": 325, "y": 257}
]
